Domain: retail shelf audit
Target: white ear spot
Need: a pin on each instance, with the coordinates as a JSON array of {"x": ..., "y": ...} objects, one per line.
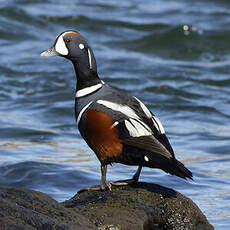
[
  {"x": 81, "y": 46},
  {"x": 146, "y": 158},
  {"x": 61, "y": 47}
]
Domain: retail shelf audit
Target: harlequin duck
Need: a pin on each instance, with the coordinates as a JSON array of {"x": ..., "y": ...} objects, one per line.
[{"x": 117, "y": 127}]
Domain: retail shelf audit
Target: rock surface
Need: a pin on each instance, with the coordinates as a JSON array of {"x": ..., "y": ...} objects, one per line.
[
  {"x": 135, "y": 207},
  {"x": 30, "y": 210}
]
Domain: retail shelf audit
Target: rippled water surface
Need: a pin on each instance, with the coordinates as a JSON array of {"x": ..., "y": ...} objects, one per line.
[{"x": 174, "y": 56}]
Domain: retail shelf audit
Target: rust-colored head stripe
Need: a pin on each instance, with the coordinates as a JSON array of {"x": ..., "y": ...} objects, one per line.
[{"x": 72, "y": 33}]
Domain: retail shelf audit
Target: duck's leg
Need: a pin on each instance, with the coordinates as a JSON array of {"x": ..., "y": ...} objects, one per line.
[
  {"x": 137, "y": 174},
  {"x": 103, "y": 185},
  {"x": 103, "y": 176},
  {"x": 134, "y": 179}
]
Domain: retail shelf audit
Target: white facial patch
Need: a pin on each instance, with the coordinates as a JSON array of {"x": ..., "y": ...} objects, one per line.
[
  {"x": 60, "y": 46},
  {"x": 81, "y": 46}
]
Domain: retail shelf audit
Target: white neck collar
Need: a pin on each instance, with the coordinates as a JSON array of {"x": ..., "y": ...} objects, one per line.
[{"x": 88, "y": 90}]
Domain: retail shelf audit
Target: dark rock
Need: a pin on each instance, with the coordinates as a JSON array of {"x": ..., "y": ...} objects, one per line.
[
  {"x": 30, "y": 210},
  {"x": 140, "y": 206}
]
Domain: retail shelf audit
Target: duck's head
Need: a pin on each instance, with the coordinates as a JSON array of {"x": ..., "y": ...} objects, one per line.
[{"x": 73, "y": 46}]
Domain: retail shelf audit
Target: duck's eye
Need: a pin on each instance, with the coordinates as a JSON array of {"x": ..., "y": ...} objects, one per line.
[
  {"x": 67, "y": 41},
  {"x": 81, "y": 46}
]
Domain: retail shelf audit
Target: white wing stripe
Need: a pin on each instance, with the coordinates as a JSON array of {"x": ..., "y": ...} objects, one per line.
[
  {"x": 119, "y": 108},
  {"x": 155, "y": 120},
  {"x": 158, "y": 124},
  {"x": 136, "y": 129},
  {"x": 144, "y": 108},
  {"x": 126, "y": 110}
]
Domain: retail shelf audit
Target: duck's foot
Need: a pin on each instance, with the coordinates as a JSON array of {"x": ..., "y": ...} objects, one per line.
[
  {"x": 96, "y": 188},
  {"x": 108, "y": 186},
  {"x": 123, "y": 182},
  {"x": 92, "y": 188}
]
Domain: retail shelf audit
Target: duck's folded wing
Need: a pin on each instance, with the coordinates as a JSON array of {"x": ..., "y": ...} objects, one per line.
[{"x": 137, "y": 134}]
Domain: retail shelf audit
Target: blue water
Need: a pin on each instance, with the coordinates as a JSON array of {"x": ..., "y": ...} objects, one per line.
[{"x": 174, "y": 56}]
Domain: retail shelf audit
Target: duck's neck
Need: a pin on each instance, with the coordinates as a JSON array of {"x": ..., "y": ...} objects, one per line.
[{"x": 86, "y": 77}]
